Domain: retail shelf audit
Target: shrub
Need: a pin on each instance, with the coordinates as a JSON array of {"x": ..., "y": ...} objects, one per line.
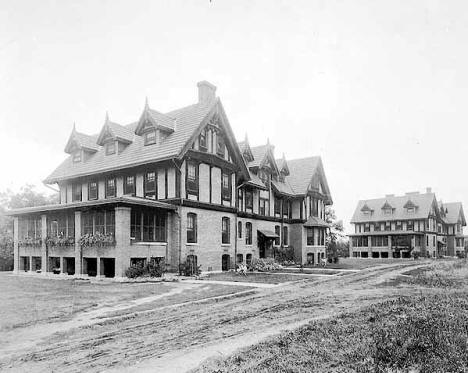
[
  {"x": 189, "y": 269},
  {"x": 148, "y": 270},
  {"x": 284, "y": 254},
  {"x": 415, "y": 254},
  {"x": 265, "y": 265}
]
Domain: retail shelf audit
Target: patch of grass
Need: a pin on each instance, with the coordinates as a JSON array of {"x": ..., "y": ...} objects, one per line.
[
  {"x": 442, "y": 274},
  {"x": 420, "y": 334},
  {"x": 266, "y": 277}
]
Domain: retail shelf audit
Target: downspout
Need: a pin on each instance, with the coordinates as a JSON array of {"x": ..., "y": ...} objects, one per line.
[{"x": 235, "y": 229}]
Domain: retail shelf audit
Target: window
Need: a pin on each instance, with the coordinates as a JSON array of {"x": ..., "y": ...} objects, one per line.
[
  {"x": 287, "y": 208},
  {"x": 192, "y": 177},
  {"x": 110, "y": 148},
  {"x": 220, "y": 145},
  {"x": 226, "y": 186},
  {"x": 150, "y": 185},
  {"x": 76, "y": 192},
  {"x": 248, "y": 233},
  {"x": 388, "y": 226},
  {"x": 410, "y": 210},
  {"x": 248, "y": 199},
  {"x": 191, "y": 228},
  {"x": 92, "y": 190},
  {"x": 225, "y": 229},
  {"x": 240, "y": 199},
  {"x": 285, "y": 236},
  {"x": 367, "y": 227},
  {"x": 77, "y": 156},
  {"x": 129, "y": 185},
  {"x": 388, "y": 211},
  {"x": 398, "y": 226},
  {"x": 278, "y": 233},
  {"x": 410, "y": 225},
  {"x": 202, "y": 140},
  {"x": 102, "y": 221},
  {"x": 310, "y": 236},
  {"x": 377, "y": 227},
  {"x": 277, "y": 206},
  {"x": 110, "y": 188},
  {"x": 148, "y": 226},
  {"x": 264, "y": 207},
  {"x": 239, "y": 229},
  {"x": 150, "y": 137}
]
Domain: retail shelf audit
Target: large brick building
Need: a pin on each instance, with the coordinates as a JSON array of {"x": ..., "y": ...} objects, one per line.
[
  {"x": 394, "y": 226},
  {"x": 175, "y": 186}
]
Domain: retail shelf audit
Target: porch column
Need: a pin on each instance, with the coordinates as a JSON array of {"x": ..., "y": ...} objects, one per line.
[
  {"x": 350, "y": 247},
  {"x": 122, "y": 240},
  {"x": 98, "y": 267},
  {"x": 30, "y": 263},
  {"x": 369, "y": 246},
  {"x": 390, "y": 252},
  {"x": 78, "y": 255},
  {"x": 44, "y": 253},
  {"x": 16, "y": 258}
]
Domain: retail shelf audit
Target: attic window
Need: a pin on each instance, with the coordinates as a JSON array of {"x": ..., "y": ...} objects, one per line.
[
  {"x": 410, "y": 210},
  {"x": 387, "y": 211},
  {"x": 220, "y": 145},
  {"x": 110, "y": 148},
  {"x": 202, "y": 140},
  {"x": 150, "y": 137},
  {"x": 77, "y": 156}
]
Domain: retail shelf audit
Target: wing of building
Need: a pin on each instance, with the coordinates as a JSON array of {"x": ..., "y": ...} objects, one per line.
[
  {"x": 396, "y": 226},
  {"x": 175, "y": 186}
]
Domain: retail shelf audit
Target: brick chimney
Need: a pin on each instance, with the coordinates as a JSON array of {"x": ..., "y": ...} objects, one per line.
[
  {"x": 206, "y": 92},
  {"x": 428, "y": 190}
]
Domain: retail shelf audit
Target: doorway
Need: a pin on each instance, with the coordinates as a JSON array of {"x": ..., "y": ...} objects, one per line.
[{"x": 225, "y": 262}]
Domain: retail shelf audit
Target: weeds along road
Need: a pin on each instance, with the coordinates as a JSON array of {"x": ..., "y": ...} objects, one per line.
[{"x": 179, "y": 338}]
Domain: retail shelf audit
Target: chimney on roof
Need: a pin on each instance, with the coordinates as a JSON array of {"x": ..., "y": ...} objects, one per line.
[
  {"x": 206, "y": 92},
  {"x": 428, "y": 190},
  {"x": 389, "y": 195},
  {"x": 412, "y": 193}
]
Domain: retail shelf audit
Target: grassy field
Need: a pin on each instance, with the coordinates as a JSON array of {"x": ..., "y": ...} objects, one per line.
[
  {"x": 30, "y": 300},
  {"x": 427, "y": 333}
]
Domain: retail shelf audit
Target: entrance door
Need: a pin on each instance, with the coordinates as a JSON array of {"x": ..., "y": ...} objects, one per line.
[
  {"x": 261, "y": 243},
  {"x": 108, "y": 267},
  {"x": 225, "y": 261}
]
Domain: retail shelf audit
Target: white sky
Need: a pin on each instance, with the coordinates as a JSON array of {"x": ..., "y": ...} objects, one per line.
[{"x": 377, "y": 88}]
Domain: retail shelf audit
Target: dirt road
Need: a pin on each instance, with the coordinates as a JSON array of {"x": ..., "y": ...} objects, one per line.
[{"x": 180, "y": 337}]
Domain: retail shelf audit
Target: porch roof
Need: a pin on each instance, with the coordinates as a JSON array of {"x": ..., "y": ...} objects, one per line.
[
  {"x": 123, "y": 201},
  {"x": 314, "y": 221},
  {"x": 387, "y": 233},
  {"x": 267, "y": 233}
]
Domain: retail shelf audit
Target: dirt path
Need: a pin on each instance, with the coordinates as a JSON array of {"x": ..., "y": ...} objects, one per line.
[{"x": 180, "y": 338}]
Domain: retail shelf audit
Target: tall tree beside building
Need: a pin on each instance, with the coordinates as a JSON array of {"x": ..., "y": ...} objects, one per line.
[{"x": 337, "y": 245}]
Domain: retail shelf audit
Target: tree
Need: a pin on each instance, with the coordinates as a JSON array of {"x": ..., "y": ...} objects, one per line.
[
  {"x": 26, "y": 197},
  {"x": 337, "y": 242}
]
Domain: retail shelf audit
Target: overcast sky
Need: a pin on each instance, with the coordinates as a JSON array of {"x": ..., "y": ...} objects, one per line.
[{"x": 377, "y": 88}]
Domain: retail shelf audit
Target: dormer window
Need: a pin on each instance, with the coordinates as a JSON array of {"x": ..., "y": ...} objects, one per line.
[
  {"x": 150, "y": 137},
  {"x": 110, "y": 148},
  {"x": 387, "y": 211},
  {"x": 410, "y": 210},
  {"x": 220, "y": 145},
  {"x": 77, "y": 156},
  {"x": 202, "y": 140}
]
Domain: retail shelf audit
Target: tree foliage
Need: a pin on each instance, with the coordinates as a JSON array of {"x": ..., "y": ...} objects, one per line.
[
  {"x": 337, "y": 242},
  {"x": 27, "y": 196}
]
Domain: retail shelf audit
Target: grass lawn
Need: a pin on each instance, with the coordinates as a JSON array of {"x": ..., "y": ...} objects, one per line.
[
  {"x": 266, "y": 278},
  {"x": 27, "y": 300},
  {"x": 427, "y": 333}
]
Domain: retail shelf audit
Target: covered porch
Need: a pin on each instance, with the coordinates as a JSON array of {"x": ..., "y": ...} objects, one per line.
[{"x": 91, "y": 238}]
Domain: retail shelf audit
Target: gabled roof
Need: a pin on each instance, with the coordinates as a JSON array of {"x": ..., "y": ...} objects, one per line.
[
  {"x": 283, "y": 165},
  {"x": 302, "y": 171},
  {"x": 454, "y": 213},
  {"x": 245, "y": 149},
  {"x": 156, "y": 119},
  {"x": 410, "y": 204},
  {"x": 283, "y": 188},
  {"x": 82, "y": 141},
  {"x": 424, "y": 202},
  {"x": 366, "y": 208},
  {"x": 115, "y": 131},
  {"x": 188, "y": 119}
]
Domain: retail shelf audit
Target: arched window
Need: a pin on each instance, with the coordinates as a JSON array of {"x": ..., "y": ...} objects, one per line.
[
  {"x": 239, "y": 229},
  {"x": 191, "y": 227},
  {"x": 225, "y": 228},
  {"x": 248, "y": 233}
]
